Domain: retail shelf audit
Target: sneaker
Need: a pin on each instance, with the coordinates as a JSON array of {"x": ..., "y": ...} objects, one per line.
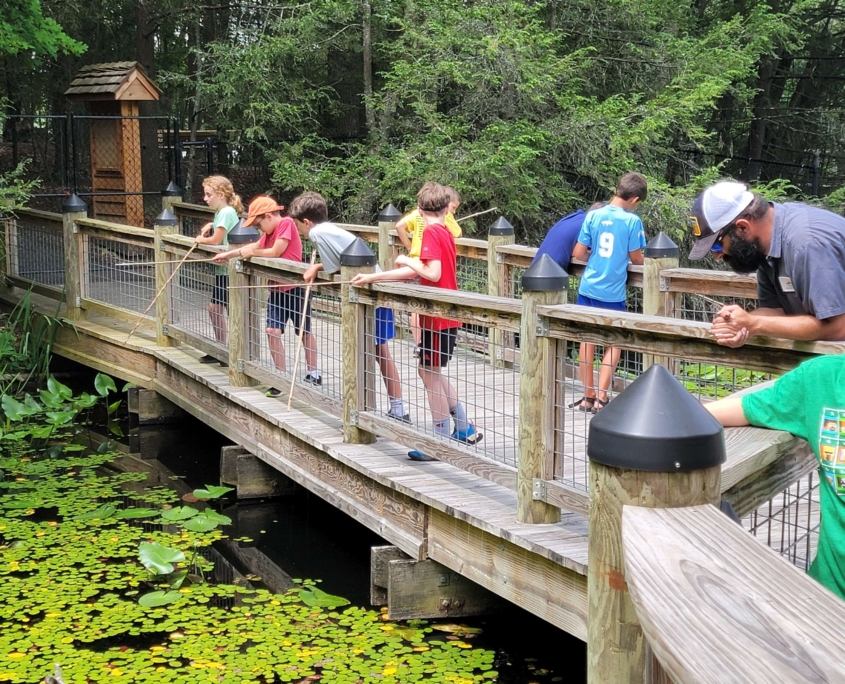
[
  {"x": 273, "y": 392},
  {"x": 402, "y": 419},
  {"x": 420, "y": 456},
  {"x": 208, "y": 358},
  {"x": 468, "y": 436},
  {"x": 314, "y": 379}
]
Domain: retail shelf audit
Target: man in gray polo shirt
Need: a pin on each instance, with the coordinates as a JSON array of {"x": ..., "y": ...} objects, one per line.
[{"x": 798, "y": 252}]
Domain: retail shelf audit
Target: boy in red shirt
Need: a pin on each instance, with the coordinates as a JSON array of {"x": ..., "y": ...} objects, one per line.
[
  {"x": 436, "y": 267},
  {"x": 279, "y": 240}
]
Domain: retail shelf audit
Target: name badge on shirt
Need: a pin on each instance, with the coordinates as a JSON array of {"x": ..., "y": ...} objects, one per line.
[{"x": 786, "y": 284}]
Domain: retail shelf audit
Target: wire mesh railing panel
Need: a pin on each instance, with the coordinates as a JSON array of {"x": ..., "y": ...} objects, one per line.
[
  {"x": 274, "y": 316},
  {"x": 431, "y": 384},
  {"x": 472, "y": 275},
  {"x": 199, "y": 301},
  {"x": 516, "y": 273},
  {"x": 192, "y": 225},
  {"x": 789, "y": 522},
  {"x": 693, "y": 307},
  {"x": 118, "y": 273},
  {"x": 36, "y": 252}
]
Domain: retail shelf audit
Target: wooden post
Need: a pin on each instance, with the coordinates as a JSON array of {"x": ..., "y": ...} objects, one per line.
[
  {"x": 498, "y": 283},
  {"x": 653, "y": 446},
  {"x": 165, "y": 224},
  {"x": 169, "y": 196},
  {"x": 357, "y": 258},
  {"x": 544, "y": 283},
  {"x": 660, "y": 253},
  {"x": 239, "y": 330},
  {"x": 5, "y": 238},
  {"x": 386, "y": 222},
  {"x": 73, "y": 209}
]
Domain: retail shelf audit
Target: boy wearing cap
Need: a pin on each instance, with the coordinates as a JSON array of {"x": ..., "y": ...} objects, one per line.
[
  {"x": 809, "y": 402},
  {"x": 609, "y": 238},
  {"x": 279, "y": 240},
  {"x": 798, "y": 252}
]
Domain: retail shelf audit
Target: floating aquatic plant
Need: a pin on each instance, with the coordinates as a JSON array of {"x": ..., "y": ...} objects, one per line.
[{"x": 93, "y": 578}]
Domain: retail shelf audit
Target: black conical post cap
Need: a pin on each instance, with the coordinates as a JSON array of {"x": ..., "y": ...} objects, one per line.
[
  {"x": 172, "y": 190},
  {"x": 656, "y": 425},
  {"x": 661, "y": 247},
  {"x": 501, "y": 226},
  {"x": 544, "y": 275},
  {"x": 241, "y": 235},
  {"x": 166, "y": 218},
  {"x": 357, "y": 254},
  {"x": 73, "y": 204},
  {"x": 389, "y": 214}
]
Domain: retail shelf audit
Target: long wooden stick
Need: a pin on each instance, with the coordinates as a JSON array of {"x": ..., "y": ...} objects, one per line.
[
  {"x": 302, "y": 321},
  {"x": 158, "y": 294},
  {"x": 478, "y": 213},
  {"x": 325, "y": 283},
  {"x": 155, "y": 263}
]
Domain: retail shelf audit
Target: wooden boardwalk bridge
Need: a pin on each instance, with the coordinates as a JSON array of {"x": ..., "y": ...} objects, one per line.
[{"x": 511, "y": 513}]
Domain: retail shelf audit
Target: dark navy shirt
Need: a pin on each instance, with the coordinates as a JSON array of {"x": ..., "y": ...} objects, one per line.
[
  {"x": 560, "y": 240},
  {"x": 805, "y": 269}
]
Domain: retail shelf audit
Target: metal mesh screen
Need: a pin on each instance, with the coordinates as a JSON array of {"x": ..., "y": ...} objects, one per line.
[
  {"x": 199, "y": 298},
  {"x": 789, "y": 523},
  {"x": 110, "y": 277},
  {"x": 472, "y": 275},
  {"x": 36, "y": 252}
]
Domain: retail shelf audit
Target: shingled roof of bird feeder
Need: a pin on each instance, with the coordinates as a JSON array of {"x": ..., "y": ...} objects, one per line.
[{"x": 115, "y": 81}]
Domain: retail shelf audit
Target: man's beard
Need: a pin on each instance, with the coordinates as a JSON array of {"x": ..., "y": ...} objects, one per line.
[{"x": 745, "y": 256}]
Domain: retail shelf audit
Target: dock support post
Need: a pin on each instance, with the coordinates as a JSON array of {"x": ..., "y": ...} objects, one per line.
[
  {"x": 73, "y": 209},
  {"x": 498, "y": 284},
  {"x": 165, "y": 224},
  {"x": 152, "y": 408},
  {"x": 357, "y": 258},
  {"x": 239, "y": 331},
  {"x": 386, "y": 222},
  {"x": 653, "y": 446},
  {"x": 544, "y": 283},
  {"x": 252, "y": 477},
  {"x": 660, "y": 253}
]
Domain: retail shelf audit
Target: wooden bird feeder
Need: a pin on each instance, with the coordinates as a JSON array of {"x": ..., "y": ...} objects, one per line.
[{"x": 114, "y": 90}]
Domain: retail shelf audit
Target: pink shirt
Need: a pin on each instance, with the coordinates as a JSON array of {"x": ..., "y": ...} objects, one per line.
[{"x": 285, "y": 230}]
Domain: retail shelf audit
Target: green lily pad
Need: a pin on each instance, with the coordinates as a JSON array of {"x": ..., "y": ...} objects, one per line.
[
  {"x": 319, "y": 598},
  {"x": 159, "y": 598},
  {"x": 102, "y": 512},
  {"x": 157, "y": 558},
  {"x": 179, "y": 513},
  {"x": 211, "y": 492},
  {"x": 134, "y": 513},
  {"x": 200, "y": 523},
  {"x": 104, "y": 384},
  {"x": 58, "y": 388}
]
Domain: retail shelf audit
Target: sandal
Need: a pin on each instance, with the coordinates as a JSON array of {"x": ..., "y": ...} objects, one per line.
[
  {"x": 584, "y": 404},
  {"x": 599, "y": 405}
]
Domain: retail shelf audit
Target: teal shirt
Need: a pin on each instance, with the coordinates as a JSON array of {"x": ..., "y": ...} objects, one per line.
[
  {"x": 809, "y": 402},
  {"x": 225, "y": 218}
]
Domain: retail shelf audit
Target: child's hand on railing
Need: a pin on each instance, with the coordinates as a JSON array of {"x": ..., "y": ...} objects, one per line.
[{"x": 363, "y": 279}]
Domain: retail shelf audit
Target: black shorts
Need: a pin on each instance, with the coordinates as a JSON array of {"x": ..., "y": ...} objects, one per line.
[
  {"x": 220, "y": 292},
  {"x": 287, "y": 306},
  {"x": 437, "y": 346}
]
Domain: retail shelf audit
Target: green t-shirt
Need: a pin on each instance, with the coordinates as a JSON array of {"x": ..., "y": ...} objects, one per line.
[
  {"x": 225, "y": 218},
  {"x": 809, "y": 402}
]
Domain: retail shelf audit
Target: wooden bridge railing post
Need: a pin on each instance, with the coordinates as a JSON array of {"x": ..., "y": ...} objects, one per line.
[
  {"x": 357, "y": 258},
  {"x": 653, "y": 446},
  {"x": 169, "y": 196},
  {"x": 498, "y": 281},
  {"x": 543, "y": 284},
  {"x": 660, "y": 253},
  {"x": 6, "y": 234},
  {"x": 165, "y": 224},
  {"x": 386, "y": 222},
  {"x": 73, "y": 209},
  {"x": 240, "y": 331}
]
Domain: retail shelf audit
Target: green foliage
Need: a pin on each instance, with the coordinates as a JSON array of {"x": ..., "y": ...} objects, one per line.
[
  {"x": 23, "y": 26},
  {"x": 159, "y": 559},
  {"x": 212, "y": 492}
]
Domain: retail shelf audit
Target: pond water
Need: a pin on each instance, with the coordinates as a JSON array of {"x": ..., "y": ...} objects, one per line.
[{"x": 221, "y": 630}]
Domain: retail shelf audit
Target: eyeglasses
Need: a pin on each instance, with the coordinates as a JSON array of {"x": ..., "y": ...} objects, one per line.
[{"x": 717, "y": 246}]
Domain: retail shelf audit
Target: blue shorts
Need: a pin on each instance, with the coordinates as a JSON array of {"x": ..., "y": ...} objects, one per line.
[
  {"x": 287, "y": 306},
  {"x": 599, "y": 304},
  {"x": 385, "y": 327}
]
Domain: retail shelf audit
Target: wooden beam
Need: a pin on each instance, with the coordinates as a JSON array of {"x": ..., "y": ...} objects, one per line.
[
  {"x": 717, "y": 605},
  {"x": 380, "y": 556},
  {"x": 152, "y": 408}
]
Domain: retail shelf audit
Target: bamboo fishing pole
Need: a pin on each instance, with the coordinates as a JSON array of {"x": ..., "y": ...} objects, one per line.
[
  {"x": 158, "y": 294},
  {"x": 303, "y": 318},
  {"x": 478, "y": 213},
  {"x": 156, "y": 263}
]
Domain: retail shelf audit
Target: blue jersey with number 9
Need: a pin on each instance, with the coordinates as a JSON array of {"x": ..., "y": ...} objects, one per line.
[{"x": 610, "y": 233}]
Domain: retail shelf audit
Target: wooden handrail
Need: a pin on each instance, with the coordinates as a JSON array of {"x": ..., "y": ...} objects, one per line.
[
  {"x": 703, "y": 281},
  {"x": 716, "y": 605},
  {"x": 103, "y": 227},
  {"x": 43, "y": 216}
]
